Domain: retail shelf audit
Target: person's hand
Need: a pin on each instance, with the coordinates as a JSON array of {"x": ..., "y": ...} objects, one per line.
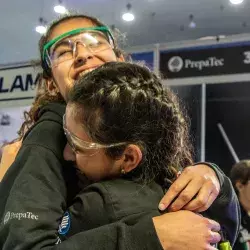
[
  {"x": 195, "y": 189},
  {"x": 9, "y": 153},
  {"x": 184, "y": 230}
]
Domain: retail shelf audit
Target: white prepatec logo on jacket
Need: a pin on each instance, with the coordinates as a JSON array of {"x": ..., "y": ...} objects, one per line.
[{"x": 19, "y": 216}]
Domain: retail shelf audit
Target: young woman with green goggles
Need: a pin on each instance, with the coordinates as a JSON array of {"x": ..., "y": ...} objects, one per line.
[{"x": 73, "y": 46}]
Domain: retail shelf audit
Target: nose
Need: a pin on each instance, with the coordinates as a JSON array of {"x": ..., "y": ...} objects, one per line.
[
  {"x": 82, "y": 54},
  {"x": 68, "y": 153}
]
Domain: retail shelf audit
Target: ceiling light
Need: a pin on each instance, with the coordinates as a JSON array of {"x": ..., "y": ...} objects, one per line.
[
  {"x": 236, "y": 1},
  {"x": 60, "y": 9},
  {"x": 192, "y": 23},
  {"x": 128, "y": 16},
  {"x": 41, "y": 28}
]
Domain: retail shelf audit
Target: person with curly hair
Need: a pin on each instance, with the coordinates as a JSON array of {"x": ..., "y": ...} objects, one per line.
[{"x": 40, "y": 185}]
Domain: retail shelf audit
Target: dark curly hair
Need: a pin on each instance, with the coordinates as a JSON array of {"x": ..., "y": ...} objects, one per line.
[
  {"x": 125, "y": 102},
  {"x": 43, "y": 96}
]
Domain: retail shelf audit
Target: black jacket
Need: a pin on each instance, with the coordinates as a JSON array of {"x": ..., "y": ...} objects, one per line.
[
  {"x": 39, "y": 187},
  {"x": 37, "y": 190},
  {"x": 108, "y": 202}
]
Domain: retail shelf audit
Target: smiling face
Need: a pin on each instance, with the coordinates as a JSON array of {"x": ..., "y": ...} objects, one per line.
[{"x": 66, "y": 73}]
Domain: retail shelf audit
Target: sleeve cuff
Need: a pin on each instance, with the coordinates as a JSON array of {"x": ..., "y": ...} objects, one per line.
[
  {"x": 145, "y": 228},
  {"x": 219, "y": 173}
]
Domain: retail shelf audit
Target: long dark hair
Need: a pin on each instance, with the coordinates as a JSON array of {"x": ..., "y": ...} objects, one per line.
[
  {"x": 43, "y": 96},
  {"x": 125, "y": 102}
]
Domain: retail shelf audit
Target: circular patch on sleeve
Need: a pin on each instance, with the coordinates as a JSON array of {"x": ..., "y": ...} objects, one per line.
[{"x": 65, "y": 224}]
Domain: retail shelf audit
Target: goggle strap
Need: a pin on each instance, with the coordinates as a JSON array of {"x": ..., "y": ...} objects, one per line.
[{"x": 47, "y": 59}]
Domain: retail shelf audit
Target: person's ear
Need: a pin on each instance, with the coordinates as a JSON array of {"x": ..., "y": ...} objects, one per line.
[
  {"x": 68, "y": 153},
  {"x": 131, "y": 158},
  {"x": 121, "y": 58},
  {"x": 52, "y": 87},
  {"x": 239, "y": 185}
]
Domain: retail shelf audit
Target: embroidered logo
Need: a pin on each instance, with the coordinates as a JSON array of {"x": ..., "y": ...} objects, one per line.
[
  {"x": 6, "y": 218},
  {"x": 19, "y": 216},
  {"x": 65, "y": 224}
]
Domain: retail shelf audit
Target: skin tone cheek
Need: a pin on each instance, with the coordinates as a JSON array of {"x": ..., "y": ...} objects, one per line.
[
  {"x": 247, "y": 193},
  {"x": 63, "y": 82},
  {"x": 97, "y": 167}
]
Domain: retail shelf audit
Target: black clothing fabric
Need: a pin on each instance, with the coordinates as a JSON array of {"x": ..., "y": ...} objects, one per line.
[
  {"x": 39, "y": 187},
  {"x": 108, "y": 202},
  {"x": 226, "y": 207}
]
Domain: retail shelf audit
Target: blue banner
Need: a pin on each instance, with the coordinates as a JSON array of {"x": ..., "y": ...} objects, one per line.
[{"x": 146, "y": 58}]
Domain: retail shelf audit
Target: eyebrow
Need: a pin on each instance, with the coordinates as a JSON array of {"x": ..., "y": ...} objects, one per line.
[{"x": 60, "y": 43}]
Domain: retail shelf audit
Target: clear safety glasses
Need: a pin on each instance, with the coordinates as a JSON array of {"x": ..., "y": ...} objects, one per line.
[
  {"x": 65, "y": 46},
  {"x": 85, "y": 148}
]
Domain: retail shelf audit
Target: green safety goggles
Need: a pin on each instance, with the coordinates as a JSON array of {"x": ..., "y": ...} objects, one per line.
[{"x": 63, "y": 47}]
